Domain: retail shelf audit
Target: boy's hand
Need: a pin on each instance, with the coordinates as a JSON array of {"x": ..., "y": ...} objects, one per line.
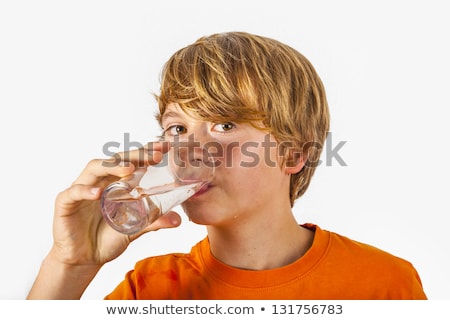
[
  {"x": 83, "y": 241},
  {"x": 81, "y": 235}
]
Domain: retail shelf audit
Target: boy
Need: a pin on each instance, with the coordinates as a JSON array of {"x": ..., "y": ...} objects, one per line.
[{"x": 242, "y": 93}]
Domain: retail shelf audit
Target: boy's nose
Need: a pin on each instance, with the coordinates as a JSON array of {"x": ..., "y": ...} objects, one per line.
[
  {"x": 187, "y": 151},
  {"x": 191, "y": 161}
]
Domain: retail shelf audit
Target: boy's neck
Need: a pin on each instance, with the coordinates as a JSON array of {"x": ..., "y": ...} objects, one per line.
[{"x": 261, "y": 244}]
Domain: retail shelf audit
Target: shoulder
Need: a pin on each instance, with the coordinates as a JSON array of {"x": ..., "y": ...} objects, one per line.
[
  {"x": 166, "y": 272},
  {"x": 366, "y": 254},
  {"x": 336, "y": 244},
  {"x": 359, "y": 264}
]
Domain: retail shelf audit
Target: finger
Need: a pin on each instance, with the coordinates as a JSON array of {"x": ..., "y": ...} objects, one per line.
[
  {"x": 122, "y": 163},
  {"x": 147, "y": 155},
  {"x": 99, "y": 169},
  {"x": 76, "y": 193}
]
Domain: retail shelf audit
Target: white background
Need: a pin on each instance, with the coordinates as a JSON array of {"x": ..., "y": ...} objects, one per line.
[{"x": 77, "y": 74}]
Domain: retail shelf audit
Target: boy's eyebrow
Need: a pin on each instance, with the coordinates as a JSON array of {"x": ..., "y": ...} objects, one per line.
[{"x": 169, "y": 114}]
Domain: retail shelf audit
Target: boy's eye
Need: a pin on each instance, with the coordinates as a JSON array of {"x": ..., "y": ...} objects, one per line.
[
  {"x": 223, "y": 127},
  {"x": 175, "y": 130}
]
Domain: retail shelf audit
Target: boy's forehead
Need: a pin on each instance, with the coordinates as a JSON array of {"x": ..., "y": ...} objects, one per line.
[
  {"x": 172, "y": 107},
  {"x": 173, "y": 110},
  {"x": 202, "y": 113}
]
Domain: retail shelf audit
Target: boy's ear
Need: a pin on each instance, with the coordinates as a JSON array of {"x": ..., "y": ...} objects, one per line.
[{"x": 295, "y": 161}]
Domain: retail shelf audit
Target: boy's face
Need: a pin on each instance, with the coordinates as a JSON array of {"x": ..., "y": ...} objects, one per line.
[{"x": 248, "y": 179}]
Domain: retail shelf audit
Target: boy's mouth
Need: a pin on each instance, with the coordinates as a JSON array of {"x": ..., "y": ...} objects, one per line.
[{"x": 204, "y": 188}]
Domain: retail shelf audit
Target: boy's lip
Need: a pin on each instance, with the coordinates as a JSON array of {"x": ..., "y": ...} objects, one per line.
[{"x": 202, "y": 190}]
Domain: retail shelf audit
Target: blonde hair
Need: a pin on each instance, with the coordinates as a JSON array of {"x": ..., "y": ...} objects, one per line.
[{"x": 242, "y": 77}]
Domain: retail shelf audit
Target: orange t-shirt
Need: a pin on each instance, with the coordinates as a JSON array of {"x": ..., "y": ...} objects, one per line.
[{"x": 334, "y": 268}]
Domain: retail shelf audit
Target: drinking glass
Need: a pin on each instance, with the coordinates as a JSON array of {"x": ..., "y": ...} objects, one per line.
[{"x": 133, "y": 202}]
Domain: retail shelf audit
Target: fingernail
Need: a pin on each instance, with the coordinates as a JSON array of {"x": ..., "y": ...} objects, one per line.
[
  {"x": 174, "y": 219},
  {"x": 95, "y": 190},
  {"x": 124, "y": 163}
]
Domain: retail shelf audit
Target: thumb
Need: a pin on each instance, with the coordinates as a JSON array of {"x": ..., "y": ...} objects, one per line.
[{"x": 170, "y": 219}]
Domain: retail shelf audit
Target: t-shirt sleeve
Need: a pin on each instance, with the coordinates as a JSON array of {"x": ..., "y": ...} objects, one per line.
[
  {"x": 125, "y": 290},
  {"x": 417, "y": 291}
]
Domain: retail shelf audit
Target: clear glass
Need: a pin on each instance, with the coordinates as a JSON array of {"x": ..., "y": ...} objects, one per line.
[{"x": 135, "y": 201}]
